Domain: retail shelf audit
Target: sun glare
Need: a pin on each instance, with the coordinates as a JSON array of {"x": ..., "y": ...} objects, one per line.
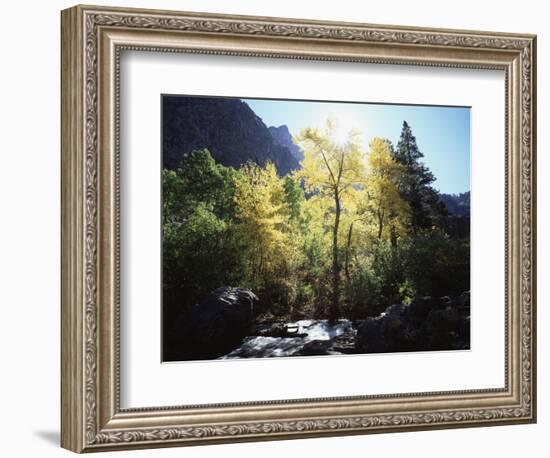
[{"x": 344, "y": 123}]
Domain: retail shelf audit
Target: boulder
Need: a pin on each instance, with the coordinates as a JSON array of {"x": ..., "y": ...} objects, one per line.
[
  {"x": 421, "y": 306},
  {"x": 442, "y": 328},
  {"x": 216, "y": 325},
  {"x": 345, "y": 343},
  {"x": 425, "y": 324},
  {"x": 315, "y": 348},
  {"x": 371, "y": 336},
  {"x": 397, "y": 311}
]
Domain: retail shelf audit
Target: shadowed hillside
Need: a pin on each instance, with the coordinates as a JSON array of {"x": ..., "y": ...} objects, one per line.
[{"x": 228, "y": 128}]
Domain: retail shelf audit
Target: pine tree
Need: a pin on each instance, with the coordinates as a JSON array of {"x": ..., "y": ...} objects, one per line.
[{"x": 415, "y": 187}]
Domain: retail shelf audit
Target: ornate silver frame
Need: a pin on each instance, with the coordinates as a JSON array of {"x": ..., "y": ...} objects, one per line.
[{"x": 92, "y": 38}]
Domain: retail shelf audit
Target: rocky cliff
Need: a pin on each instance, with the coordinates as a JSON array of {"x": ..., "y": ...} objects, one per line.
[
  {"x": 282, "y": 136},
  {"x": 228, "y": 127}
]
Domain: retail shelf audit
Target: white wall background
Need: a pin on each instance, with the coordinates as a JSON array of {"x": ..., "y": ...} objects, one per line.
[{"x": 29, "y": 241}]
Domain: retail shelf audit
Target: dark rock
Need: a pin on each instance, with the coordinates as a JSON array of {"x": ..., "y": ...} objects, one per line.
[
  {"x": 371, "y": 336},
  {"x": 316, "y": 348},
  {"x": 442, "y": 328},
  {"x": 426, "y": 324},
  {"x": 345, "y": 343},
  {"x": 282, "y": 136},
  {"x": 216, "y": 325},
  {"x": 421, "y": 306},
  {"x": 227, "y": 127},
  {"x": 266, "y": 329},
  {"x": 397, "y": 310}
]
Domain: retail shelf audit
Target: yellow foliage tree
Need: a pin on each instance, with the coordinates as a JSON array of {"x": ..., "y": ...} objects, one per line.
[
  {"x": 355, "y": 220},
  {"x": 331, "y": 168},
  {"x": 383, "y": 200},
  {"x": 262, "y": 214}
]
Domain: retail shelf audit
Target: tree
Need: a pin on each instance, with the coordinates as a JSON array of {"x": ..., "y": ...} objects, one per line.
[
  {"x": 199, "y": 179},
  {"x": 200, "y": 250},
  {"x": 384, "y": 201},
  {"x": 259, "y": 198},
  {"x": 415, "y": 188},
  {"x": 294, "y": 197},
  {"x": 331, "y": 168}
]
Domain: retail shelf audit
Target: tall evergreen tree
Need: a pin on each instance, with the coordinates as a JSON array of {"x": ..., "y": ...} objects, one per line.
[{"x": 426, "y": 208}]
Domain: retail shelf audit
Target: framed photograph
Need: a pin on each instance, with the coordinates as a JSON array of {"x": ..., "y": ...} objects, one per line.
[{"x": 278, "y": 228}]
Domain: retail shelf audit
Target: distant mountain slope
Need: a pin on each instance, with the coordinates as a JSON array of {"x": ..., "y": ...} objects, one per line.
[
  {"x": 457, "y": 204},
  {"x": 227, "y": 127},
  {"x": 283, "y": 137}
]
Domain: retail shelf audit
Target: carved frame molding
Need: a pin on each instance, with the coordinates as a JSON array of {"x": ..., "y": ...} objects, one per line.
[{"x": 92, "y": 38}]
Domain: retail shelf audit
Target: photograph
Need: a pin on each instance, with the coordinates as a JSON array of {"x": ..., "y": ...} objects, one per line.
[
  {"x": 287, "y": 227},
  {"x": 313, "y": 228}
]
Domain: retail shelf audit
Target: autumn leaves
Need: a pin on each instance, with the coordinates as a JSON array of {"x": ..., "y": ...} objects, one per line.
[{"x": 342, "y": 235}]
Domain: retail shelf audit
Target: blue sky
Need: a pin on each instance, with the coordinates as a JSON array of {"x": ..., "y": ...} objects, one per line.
[{"x": 442, "y": 133}]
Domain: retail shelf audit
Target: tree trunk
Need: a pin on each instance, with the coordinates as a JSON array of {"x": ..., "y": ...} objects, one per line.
[
  {"x": 393, "y": 237},
  {"x": 380, "y": 224},
  {"x": 348, "y": 249},
  {"x": 335, "y": 307}
]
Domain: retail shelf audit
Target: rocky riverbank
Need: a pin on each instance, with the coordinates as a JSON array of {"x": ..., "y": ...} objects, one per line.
[
  {"x": 297, "y": 338},
  {"x": 222, "y": 326},
  {"x": 425, "y": 324}
]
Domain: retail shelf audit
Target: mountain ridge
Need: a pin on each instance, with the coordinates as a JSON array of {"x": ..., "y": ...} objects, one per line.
[
  {"x": 227, "y": 127},
  {"x": 283, "y": 137},
  {"x": 457, "y": 204}
]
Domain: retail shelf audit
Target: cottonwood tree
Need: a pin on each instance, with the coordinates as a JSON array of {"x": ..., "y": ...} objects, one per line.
[
  {"x": 376, "y": 207},
  {"x": 384, "y": 202},
  {"x": 331, "y": 168},
  {"x": 262, "y": 215}
]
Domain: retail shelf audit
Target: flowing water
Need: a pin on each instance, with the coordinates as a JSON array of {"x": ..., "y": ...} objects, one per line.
[{"x": 309, "y": 330}]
